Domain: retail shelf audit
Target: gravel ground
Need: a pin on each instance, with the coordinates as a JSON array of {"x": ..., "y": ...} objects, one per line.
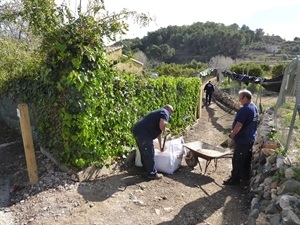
[{"x": 126, "y": 196}]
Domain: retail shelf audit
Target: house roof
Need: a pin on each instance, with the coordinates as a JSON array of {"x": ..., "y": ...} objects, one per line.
[{"x": 109, "y": 49}]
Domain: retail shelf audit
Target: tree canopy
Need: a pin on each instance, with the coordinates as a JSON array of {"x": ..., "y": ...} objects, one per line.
[{"x": 201, "y": 41}]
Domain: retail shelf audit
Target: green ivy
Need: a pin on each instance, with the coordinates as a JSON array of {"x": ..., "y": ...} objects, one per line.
[{"x": 82, "y": 108}]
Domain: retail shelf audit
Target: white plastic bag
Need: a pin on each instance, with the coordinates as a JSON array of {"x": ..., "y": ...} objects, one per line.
[
  {"x": 170, "y": 159},
  {"x": 138, "y": 161}
]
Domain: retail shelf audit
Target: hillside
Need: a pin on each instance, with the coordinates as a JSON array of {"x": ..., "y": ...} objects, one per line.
[{"x": 202, "y": 41}]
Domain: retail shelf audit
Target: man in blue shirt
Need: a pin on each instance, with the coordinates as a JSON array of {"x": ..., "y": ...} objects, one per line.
[
  {"x": 244, "y": 130},
  {"x": 145, "y": 131}
]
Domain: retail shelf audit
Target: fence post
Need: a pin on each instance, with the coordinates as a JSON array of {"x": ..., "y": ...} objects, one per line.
[
  {"x": 28, "y": 142},
  {"x": 200, "y": 100}
]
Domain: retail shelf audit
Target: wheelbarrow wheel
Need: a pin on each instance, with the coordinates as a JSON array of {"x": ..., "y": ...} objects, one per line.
[{"x": 191, "y": 160}]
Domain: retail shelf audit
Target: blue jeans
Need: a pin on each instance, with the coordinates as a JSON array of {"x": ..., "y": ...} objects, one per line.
[{"x": 241, "y": 161}]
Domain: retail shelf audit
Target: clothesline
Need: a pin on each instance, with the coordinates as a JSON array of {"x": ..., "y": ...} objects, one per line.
[{"x": 272, "y": 84}]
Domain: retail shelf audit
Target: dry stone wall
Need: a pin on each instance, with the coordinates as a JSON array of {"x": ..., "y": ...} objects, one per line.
[
  {"x": 8, "y": 112},
  {"x": 274, "y": 190}
]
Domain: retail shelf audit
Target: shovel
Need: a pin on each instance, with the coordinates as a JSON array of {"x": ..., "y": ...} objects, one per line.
[
  {"x": 164, "y": 142},
  {"x": 228, "y": 143}
]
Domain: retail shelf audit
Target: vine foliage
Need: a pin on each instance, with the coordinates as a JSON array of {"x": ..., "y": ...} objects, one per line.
[{"x": 83, "y": 109}]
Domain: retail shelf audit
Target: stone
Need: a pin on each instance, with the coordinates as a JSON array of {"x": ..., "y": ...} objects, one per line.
[
  {"x": 261, "y": 220},
  {"x": 289, "y": 217},
  {"x": 272, "y": 159},
  {"x": 289, "y": 186},
  {"x": 270, "y": 145},
  {"x": 267, "y": 151},
  {"x": 254, "y": 203},
  {"x": 286, "y": 201},
  {"x": 92, "y": 173},
  {"x": 275, "y": 219},
  {"x": 289, "y": 173},
  {"x": 254, "y": 213},
  {"x": 279, "y": 162},
  {"x": 271, "y": 209}
]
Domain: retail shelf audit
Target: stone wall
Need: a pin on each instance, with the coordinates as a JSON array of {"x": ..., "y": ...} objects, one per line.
[
  {"x": 274, "y": 189},
  {"x": 225, "y": 101},
  {"x": 8, "y": 112}
]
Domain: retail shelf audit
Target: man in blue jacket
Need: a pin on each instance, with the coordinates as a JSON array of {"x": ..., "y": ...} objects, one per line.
[
  {"x": 145, "y": 131},
  {"x": 208, "y": 89},
  {"x": 244, "y": 131}
]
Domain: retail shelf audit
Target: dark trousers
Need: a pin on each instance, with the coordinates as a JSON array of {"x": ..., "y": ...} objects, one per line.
[
  {"x": 146, "y": 149},
  {"x": 208, "y": 97},
  {"x": 241, "y": 161}
]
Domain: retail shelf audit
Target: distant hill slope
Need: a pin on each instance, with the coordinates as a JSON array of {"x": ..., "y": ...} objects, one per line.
[{"x": 202, "y": 41}]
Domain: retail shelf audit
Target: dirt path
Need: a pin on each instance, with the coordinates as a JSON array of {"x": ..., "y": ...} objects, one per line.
[{"x": 127, "y": 197}]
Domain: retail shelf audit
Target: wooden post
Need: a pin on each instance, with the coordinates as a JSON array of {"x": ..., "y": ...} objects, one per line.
[
  {"x": 28, "y": 143},
  {"x": 200, "y": 101}
]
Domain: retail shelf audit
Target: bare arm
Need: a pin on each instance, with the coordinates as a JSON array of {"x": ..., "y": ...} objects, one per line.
[
  {"x": 163, "y": 125},
  {"x": 238, "y": 126}
]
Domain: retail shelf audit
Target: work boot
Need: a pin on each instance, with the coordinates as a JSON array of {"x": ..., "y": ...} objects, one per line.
[{"x": 157, "y": 176}]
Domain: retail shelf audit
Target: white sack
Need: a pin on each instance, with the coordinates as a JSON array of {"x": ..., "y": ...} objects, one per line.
[{"x": 169, "y": 160}]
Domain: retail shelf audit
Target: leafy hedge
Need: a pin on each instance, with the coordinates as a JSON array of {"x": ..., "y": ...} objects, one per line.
[{"x": 86, "y": 118}]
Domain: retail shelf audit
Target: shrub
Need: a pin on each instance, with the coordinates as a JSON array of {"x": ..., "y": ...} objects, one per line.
[{"x": 278, "y": 69}]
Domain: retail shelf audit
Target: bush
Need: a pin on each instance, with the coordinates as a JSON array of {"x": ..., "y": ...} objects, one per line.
[
  {"x": 278, "y": 70},
  {"x": 242, "y": 68},
  {"x": 265, "y": 67}
]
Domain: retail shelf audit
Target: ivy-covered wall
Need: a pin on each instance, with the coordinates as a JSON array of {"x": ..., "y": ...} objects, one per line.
[{"x": 85, "y": 123}]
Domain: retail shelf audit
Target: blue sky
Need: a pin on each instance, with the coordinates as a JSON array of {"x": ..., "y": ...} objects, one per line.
[{"x": 278, "y": 17}]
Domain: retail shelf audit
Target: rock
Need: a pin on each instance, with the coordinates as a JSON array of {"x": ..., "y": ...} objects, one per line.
[
  {"x": 271, "y": 209},
  {"x": 289, "y": 217},
  {"x": 289, "y": 173},
  {"x": 254, "y": 213},
  {"x": 157, "y": 211},
  {"x": 287, "y": 201},
  {"x": 279, "y": 162},
  {"x": 138, "y": 202},
  {"x": 255, "y": 203},
  {"x": 268, "y": 151},
  {"x": 261, "y": 220},
  {"x": 275, "y": 219},
  {"x": 168, "y": 209},
  {"x": 91, "y": 173},
  {"x": 289, "y": 186},
  {"x": 272, "y": 159}
]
